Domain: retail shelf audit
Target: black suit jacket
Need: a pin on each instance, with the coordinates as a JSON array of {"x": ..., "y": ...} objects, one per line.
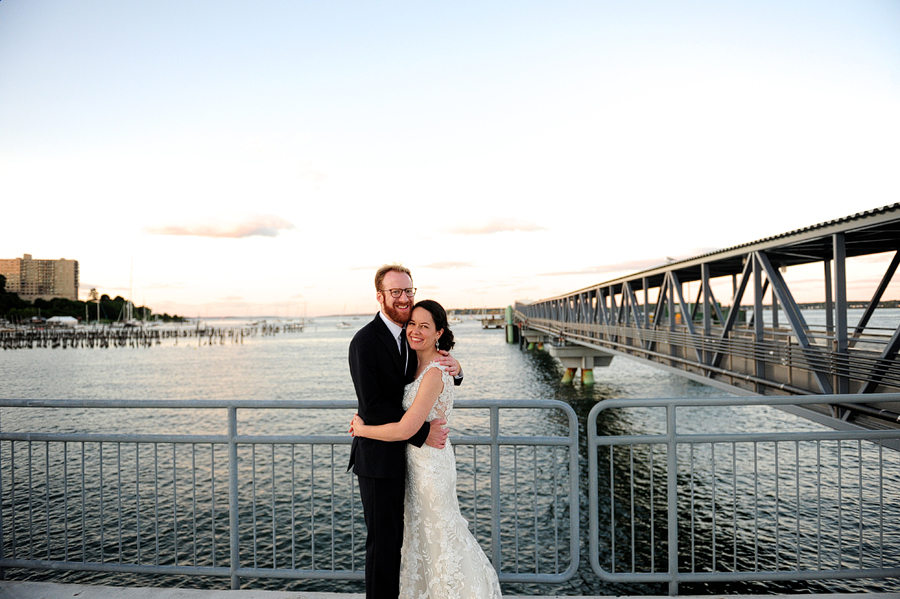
[{"x": 379, "y": 377}]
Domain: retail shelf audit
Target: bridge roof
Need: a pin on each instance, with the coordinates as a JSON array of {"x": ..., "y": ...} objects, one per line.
[{"x": 870, "y": 232}]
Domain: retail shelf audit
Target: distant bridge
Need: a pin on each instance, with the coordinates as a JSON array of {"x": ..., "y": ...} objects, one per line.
[{"x": 759, "y": 343}]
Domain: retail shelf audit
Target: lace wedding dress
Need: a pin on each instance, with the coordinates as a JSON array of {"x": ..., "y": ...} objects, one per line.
[{"x": 440, "y": 557}]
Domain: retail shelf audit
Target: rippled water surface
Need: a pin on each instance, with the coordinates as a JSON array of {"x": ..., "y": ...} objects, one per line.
[{"x": 313, "y": 365}]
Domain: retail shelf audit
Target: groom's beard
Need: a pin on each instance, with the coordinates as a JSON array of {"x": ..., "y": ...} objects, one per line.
[{"x": 396, "y": 316}]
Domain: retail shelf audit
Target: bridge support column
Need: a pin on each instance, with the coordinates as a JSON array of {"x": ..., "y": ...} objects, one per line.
[
  {"x": 587, "y": 377},
  {"x": 512, "y": 331},
  {"x": 534, "y": 339},
  {"x": 574, "y": 357}
]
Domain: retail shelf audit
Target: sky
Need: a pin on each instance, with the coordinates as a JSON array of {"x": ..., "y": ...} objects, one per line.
[{"x": 246, "y": 159}]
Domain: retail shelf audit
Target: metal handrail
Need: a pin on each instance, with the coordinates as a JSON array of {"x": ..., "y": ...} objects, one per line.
[
  {"x": 682, "y": 504},
  {"x": 22, "y": 498}
]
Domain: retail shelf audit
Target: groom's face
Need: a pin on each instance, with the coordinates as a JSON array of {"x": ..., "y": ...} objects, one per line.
[{"x": 397, "y": 309}]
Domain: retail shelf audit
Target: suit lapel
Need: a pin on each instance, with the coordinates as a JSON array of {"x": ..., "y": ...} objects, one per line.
[{"x": 384, "y": 334}]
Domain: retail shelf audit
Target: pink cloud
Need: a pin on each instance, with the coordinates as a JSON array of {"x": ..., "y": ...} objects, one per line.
[
  {"x": 499, "y": 225},
  {"x": 254, "y": 225},
  {"x": 449, "y": 265}
]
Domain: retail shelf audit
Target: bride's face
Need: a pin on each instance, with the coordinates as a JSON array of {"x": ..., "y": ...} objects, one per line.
[{"x": 420, "y": 331}]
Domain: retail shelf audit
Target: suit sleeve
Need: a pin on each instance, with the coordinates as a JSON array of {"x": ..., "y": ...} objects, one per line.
[
  {"x": 419, "y": 438},
  {"x": 364, "y": 372}
]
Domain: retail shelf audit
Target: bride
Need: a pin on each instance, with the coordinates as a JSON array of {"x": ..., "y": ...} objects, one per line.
[{"x": 440, "y": 557}]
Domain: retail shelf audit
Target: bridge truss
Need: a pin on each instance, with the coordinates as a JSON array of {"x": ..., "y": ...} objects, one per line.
[{"x": 760, "y": 342}]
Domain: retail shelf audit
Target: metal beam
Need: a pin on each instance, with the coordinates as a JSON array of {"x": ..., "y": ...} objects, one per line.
[
  {"x": 712, "y": 298},
  {"x": 762, "y": 294},
  {"x": 646, "y": 303},
  {"x": 884, "y": 362},
  {"x": 876, "y": 299},
  {"x": 759, "y": 331},
  {"x": 774, "y": 310},
  {"x": 684, "y": 311},
  {"x": 696, "y": 305},
  {"x": 707, "y": 317},
  {"x": 794, "y": 316},
  {"x": 601, "y": 306},
  {"x": 660, "y": 303},
  {"x": 829, "y": 301},
  {"x": 632, "y": 299},
  {"x": 840, "y": 308},
  {"x": 739, "y": 289}
]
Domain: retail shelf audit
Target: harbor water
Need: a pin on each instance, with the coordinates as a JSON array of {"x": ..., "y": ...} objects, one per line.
[{"x": 312, "y": 365}]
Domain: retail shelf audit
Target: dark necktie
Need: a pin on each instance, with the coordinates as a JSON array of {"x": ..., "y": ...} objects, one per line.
[{"x": 403, "y": 349}]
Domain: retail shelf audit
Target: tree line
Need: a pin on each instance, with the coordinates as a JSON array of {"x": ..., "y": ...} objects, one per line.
[{"x": 15, "y": 309}]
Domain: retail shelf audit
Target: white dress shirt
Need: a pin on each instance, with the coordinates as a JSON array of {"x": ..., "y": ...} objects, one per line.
[{"x": 395, "y": 329}]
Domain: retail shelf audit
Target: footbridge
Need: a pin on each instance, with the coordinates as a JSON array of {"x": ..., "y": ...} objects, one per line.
[{"x": 731, "y": 319}]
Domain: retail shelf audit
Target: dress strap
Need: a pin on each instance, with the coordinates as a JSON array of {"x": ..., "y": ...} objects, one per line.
[{"x": 434, "y": 364}]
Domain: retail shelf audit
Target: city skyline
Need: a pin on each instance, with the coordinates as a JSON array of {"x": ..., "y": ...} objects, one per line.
[{"x": 221, "y": 160}]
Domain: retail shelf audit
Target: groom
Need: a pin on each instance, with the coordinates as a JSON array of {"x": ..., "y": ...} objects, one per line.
[{"x": 381, "y": 365}]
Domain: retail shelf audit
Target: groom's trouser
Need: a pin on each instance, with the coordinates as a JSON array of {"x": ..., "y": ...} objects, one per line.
[{"x": 382, "y": 500}]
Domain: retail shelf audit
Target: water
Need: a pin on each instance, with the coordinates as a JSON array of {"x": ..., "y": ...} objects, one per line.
[{"x": 313, "y": 365}]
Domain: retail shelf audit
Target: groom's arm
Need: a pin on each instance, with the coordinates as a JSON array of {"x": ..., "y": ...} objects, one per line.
[{"x": 452, "y": 366}]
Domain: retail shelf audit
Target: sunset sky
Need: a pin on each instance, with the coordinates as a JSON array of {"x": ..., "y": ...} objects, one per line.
[{"x": 247, "y": 159}]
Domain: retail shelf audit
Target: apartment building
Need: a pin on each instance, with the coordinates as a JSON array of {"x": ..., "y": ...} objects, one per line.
[{"x": 45, "y": 279}]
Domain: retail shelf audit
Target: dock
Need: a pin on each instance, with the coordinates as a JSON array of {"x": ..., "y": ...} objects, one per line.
[
  {"x": 135, "y": 337},
  {"x": 492, "y": 321}
]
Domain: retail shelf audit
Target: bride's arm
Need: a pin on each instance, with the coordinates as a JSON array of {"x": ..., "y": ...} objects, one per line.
[{"x": 429, "y": 389}]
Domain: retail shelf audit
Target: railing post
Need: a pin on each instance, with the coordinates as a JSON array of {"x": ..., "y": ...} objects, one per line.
[
  {"x": 233, "y": 519},
  {"x": 672, "y": 492},
  {"x": 495, "y": 488}
]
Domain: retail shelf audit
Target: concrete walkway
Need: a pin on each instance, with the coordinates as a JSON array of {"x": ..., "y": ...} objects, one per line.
[{"x": 48, "y": 590}]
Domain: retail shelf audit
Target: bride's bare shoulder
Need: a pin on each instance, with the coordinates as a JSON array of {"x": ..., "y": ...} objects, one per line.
[{"x": 432, "y": 375}]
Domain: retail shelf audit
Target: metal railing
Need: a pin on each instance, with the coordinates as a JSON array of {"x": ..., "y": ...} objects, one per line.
[
  {"x": 734, "y": 359},
  {"x": 678, "y": 505},
  {"x": 264, "y": 506}
]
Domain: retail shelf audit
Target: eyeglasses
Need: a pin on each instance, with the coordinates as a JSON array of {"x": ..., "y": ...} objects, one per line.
[{"x": 410, "y": 292}]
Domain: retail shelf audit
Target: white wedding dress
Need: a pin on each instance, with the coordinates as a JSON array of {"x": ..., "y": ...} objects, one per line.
[{"x": 440, "y": 557}]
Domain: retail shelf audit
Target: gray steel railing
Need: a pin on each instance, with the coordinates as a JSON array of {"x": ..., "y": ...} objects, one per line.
[
  {"x": 678, "y": 506},
  {"x": 268, "y": 506},
  {"x": 788, "y": 364}
]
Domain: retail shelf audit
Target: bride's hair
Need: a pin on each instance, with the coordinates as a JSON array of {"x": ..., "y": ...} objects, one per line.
[{"x": 439, "y": 315}]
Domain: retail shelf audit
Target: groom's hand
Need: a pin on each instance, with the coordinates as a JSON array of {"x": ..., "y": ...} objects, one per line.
[
  {"x": 437, "y": 435},
  {"x": 449, "y": 362}
]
